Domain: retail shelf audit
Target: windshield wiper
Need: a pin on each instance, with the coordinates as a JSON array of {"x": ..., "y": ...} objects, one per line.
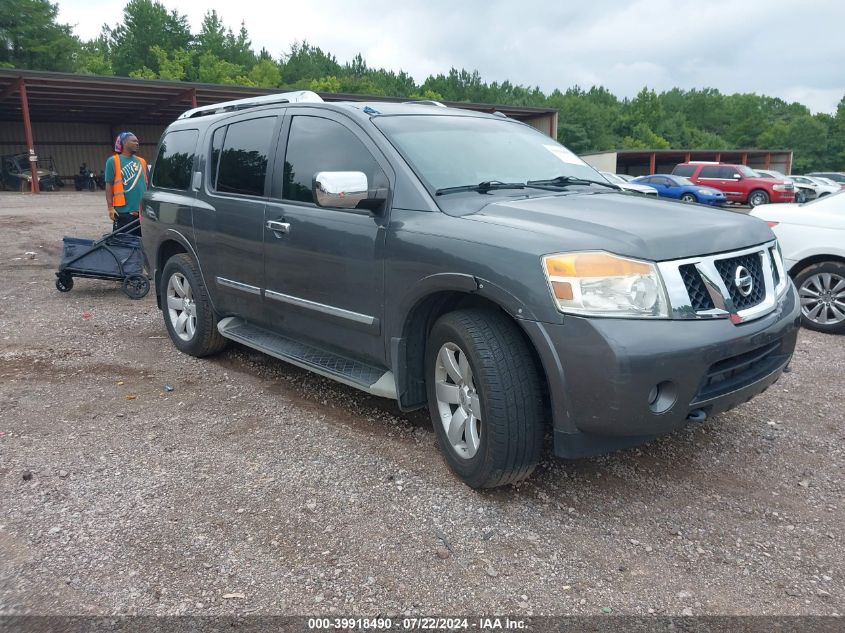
[
  {"x": 482, "y": 187},
  {"x": 565, "y": 181}
]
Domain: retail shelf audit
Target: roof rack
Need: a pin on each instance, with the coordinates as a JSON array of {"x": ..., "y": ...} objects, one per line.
[
  {"x": 300, "y": 96},
  {"x": 426, "y": 102}
]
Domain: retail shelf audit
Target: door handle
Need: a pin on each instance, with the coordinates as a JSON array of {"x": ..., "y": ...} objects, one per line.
[{"x": 278, "y": 227}]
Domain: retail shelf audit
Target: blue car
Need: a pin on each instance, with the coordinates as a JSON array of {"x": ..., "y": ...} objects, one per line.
[{"x": 682, "y": 189}]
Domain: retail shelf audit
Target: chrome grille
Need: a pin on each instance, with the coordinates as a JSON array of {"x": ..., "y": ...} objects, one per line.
[
  {"x": 706, "y": 287},
  {"x": 727, "y": 270}
]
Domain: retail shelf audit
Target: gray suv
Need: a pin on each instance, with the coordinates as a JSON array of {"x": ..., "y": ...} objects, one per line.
[{"x": 464, "y": 262}]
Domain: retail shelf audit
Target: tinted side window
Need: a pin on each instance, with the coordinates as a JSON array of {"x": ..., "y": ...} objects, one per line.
[
  {"x": 175, "y": 160},
  {"x": 711, "y": 172},
  {"x": 684, "y": 170},
  {"x": 727, "y": 172},
  {"x": 317, "y": 144},
  {"x": 243, "y": 159},
  {"x": 216, "y": 148},
  {"x": 661, "y": 181}
]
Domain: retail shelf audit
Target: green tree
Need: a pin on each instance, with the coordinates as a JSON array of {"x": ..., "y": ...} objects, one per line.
[
  {"x": 325, "y": 84},
  {"x": 31, "y": 38},
  {"x": 306, "y": 62},
  {"x": 94, "y": 57},
  {"x": 172, "y": 66},
  {"x": 146, "y": 24},
  {"x": 265, "y": 73},
  {"x": 643, "y": 137},
  {"x": 213, "y": 70}
]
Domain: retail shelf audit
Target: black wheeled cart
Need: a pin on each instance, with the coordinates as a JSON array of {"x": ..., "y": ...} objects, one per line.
[{"x": 117, "y": 256}]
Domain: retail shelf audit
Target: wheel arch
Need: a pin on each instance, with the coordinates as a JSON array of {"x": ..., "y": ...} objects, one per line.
[
  {"x": 814, "y": 259},
  {"x": 407, "y": 347},
  {"x": 167, "y": 249}
]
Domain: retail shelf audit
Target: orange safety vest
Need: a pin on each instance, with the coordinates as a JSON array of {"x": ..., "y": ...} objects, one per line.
[{"x": 117, "y": 183}]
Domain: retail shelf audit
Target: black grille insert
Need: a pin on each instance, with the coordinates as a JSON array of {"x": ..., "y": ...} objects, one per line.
[
  {"x": 727, "y": 269},
  {"x": 739, "y": 371},
  {"x": 699, "y": 297}
]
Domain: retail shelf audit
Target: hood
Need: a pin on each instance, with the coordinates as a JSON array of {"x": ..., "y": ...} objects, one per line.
[
  {"x": 640, "y": 188},
  {"x": 644, "y": 228}
]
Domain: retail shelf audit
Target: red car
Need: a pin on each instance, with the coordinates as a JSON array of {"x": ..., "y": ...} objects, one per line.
[{"x": 739, "y": 182}]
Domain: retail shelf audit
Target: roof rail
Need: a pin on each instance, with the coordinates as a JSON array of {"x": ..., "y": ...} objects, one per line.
[
  {"x": 426, "y": 102},
  {"x": 299, "y": 96}
]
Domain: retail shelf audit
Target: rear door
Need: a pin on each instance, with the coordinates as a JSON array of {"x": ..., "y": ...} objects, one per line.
[
  {"x": 325, "y": 267},
  {"x": 229, "y": 215}
]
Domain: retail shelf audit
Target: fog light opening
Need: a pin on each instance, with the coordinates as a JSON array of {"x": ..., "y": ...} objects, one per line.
[{"x": 662, "y": 396}]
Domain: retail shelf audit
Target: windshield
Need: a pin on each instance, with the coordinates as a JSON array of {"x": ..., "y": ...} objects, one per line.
[
  {"x": 682, "y": 182},
  {"x": 454, "y": 151},
  {"x": 747, "y": 171}
]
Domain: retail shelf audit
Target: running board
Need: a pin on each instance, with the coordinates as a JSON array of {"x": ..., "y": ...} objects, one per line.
[{"x": 373, "y": 380}]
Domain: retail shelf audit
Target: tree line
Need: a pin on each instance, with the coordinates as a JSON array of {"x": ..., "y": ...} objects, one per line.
[{"x": 156, "y": 43}]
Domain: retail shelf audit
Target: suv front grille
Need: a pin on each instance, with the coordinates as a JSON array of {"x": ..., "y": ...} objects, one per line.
[
  {"x": 705, "y": 287},
  {"x": 727, "y": 270}
]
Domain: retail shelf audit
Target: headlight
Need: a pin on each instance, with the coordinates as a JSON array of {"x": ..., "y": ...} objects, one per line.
[
  {"x": 601, "y": 284},
  {"x": 707, "y": 192},
  {"x": 783, "y": 187}
]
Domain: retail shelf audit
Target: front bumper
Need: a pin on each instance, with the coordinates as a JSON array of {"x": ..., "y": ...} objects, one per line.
[{"x": 602, "y": 372}]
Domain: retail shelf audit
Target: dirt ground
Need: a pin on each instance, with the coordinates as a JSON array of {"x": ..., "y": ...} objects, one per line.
[{"x": 254, "y": 487}]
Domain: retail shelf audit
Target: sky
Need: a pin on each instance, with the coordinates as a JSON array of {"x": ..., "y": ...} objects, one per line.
[{"x": 780, "y": 48}]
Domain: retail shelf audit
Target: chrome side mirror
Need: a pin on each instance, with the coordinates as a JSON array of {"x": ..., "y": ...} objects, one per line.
[{"x": 340, "y": 189}]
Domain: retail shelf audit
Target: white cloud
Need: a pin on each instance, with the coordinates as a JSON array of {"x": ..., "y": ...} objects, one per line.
[{"x": 773, "y": 47}]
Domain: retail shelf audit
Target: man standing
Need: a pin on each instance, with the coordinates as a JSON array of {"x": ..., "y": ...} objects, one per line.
[{"x": 126, "y": 182}]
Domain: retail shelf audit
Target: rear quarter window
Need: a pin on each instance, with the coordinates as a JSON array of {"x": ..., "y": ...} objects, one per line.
[{"x": 174, "y": 163}]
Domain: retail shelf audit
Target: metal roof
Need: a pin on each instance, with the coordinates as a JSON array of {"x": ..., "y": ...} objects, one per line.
[{"x": 95, "y": 99}]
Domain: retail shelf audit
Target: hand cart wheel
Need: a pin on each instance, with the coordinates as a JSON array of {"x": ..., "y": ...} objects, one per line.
[
  {"x": 136, "y": 286},
  {"x": 64, "y": 282}
]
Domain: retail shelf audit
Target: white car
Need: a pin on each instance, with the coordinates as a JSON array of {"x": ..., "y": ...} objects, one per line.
[
  {"x": 823, "y": 186},
  {"x": 629, "y": 186},
  {"x": 812, "y": 240}
]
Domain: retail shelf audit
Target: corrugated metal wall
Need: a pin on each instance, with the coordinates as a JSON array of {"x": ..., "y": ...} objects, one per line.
[
  {"x": 71, "y": 144},
  {"x": 547, "y": 124}
]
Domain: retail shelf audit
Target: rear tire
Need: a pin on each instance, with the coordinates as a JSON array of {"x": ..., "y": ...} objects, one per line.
[
  {"x": 821, "y": 290},
  {"x": 191, "y": 321},
  {"x": 485, "y": 398},
  {"x": 758, "y": 197}
]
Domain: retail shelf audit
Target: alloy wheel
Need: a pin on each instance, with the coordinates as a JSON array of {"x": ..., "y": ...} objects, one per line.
[
  {"x": 823, "y": 298},
  {"x": 458, "y": 402},
  {"x": 181, "y": 309}
]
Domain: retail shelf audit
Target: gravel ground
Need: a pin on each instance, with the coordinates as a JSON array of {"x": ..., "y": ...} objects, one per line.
[{"x": 256, "y": 487}]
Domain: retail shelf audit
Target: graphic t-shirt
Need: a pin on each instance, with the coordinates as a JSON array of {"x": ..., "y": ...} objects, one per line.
[{"x": 134, "y": 183}]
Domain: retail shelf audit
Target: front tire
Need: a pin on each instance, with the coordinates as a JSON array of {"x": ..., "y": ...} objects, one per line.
[
  {"x": 188, "y": 314},
  {"x": 758, "y": 197},
  {"x": 821, "y": 289},
  {"x": 688, "y": 197},
  {"x": 485, "y": 398}
]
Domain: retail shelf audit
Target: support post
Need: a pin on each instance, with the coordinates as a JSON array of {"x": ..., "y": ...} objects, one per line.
[
  {"x": 744, "y": 158},
  {"x": 193, "y": 97},
  {"x": 652, "y": 163},
  {"x": 768, "y": 160},
  {"x": 27, "y": 127}
]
